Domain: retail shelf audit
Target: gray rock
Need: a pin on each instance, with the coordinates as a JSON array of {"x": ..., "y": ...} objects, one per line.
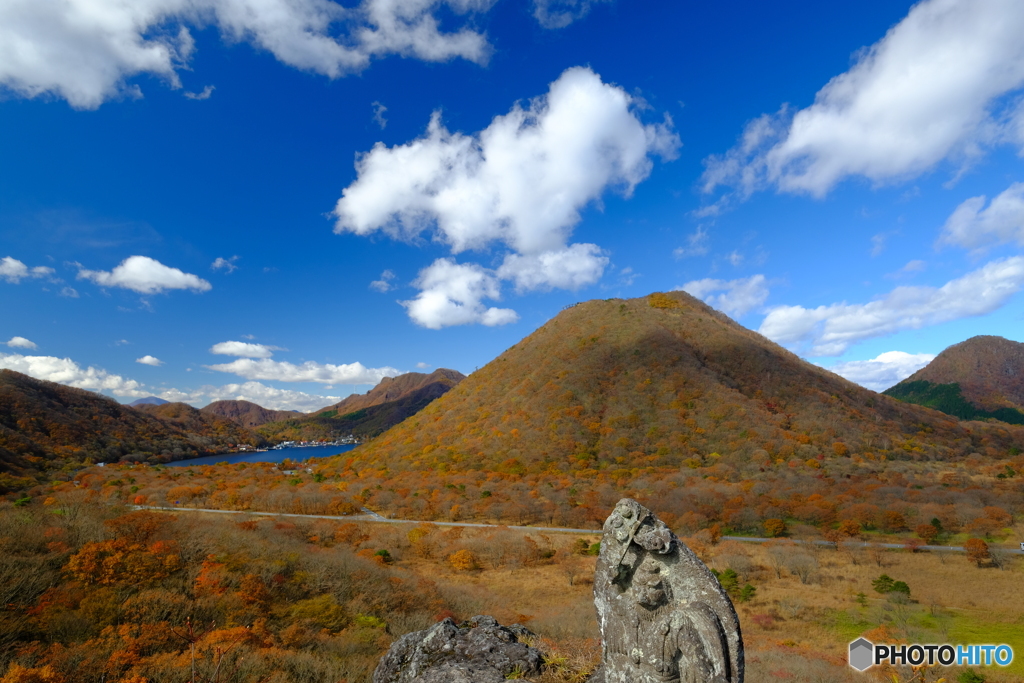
[
  {"x": 663, "y": 615},
  {"x": 478, "y": 651}
]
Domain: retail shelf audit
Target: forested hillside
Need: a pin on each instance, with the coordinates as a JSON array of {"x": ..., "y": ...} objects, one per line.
[
  {"x": 981, "y": 378},
  {"x": 246, "y": 413},
  {"x": 46, "y": 426},
  {"x": 663, "y": 381},
  {"x": 367, "y": 415}
]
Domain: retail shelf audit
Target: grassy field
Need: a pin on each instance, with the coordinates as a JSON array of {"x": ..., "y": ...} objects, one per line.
[{"x": 809, "y": 604}]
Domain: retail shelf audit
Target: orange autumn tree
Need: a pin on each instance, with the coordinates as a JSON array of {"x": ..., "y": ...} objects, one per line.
[{"x": 123, "y": 562}]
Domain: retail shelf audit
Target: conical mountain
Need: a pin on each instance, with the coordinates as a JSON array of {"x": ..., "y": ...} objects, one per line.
[
  {"x": 659, "y": 381},
  {"x": 246, "y": 413},
  {"x": 982, "y": 377}
]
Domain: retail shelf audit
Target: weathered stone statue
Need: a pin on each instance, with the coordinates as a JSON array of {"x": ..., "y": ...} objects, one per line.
[{"x": 663, "y": 615}]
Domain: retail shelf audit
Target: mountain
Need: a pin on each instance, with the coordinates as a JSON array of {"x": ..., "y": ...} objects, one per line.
[
  {"x": 46, "y": 426},
  {"x": 247, "y": 414},
  {"x": 980, "y": 378},
  {"x": 369, "y": 414},
  {"x": 394, "y": 388},
  {"x": 660, "y": 381},
  {"x": 149, "y": 400}
]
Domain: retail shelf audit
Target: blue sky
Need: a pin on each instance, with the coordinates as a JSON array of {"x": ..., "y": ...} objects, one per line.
[{"x": 286, "y": 201}]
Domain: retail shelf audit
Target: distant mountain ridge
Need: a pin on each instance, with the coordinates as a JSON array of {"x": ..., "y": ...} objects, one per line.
[
  {"x": 393, "y": 388},
  {"x": 246, "y": 413},
  {"x": 46, "y": 426},
  {"x": 982, "y": 377},
  {"x": 391, "y": 401},
  {"x": 149, "y": 400}
]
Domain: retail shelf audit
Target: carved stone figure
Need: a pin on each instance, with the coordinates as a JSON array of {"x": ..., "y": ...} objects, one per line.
[
  {"x": 478, "y": 651},
  {"x": 663, "y": 615}
]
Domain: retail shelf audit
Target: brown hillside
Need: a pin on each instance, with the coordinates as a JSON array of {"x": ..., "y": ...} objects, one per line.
[
  {"x": 411, "y": 395},
  {"x": 394, "y": 388},
  {"x": 989, "y": 370},
  {"x": 247, "y": 414},
  {"x": 46, "y": 426},
  {"x": 662, "y": 381}
]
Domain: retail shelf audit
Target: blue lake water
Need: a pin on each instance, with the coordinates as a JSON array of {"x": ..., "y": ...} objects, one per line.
[{"x": 295, "y": 454}]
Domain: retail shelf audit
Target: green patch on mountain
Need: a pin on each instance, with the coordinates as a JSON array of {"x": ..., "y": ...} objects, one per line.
[{"x": 949, "y": 399}]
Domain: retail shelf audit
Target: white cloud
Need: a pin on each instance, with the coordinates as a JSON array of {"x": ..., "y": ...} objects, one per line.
[
  {"x": 254, "y": 392},
  {"x": 204, "y": 95},
  {"x": 889, "y": 368},
  {"x": 384, "y": 283},
  {"x": 521, "y": 183},
  {"x": 21, "y": 343},
  {"x": 453, "y": 293},
  {"x": 934, "y": 88},
  {"x": 732, "y": 297},
  {"x": 423, "y": 366},
  {"x": 14, "y": 271},
  {"x": 282, "y": 371},
  {"x": 66, "y": 371},
  {"x": 735, "y": 258},
  {"x": 69, "y": 292},
  {"x": 378, "y": 115},
  {"x": 830, "y": 330},
  {"x": 561, "y": 13},
  {"x": 571, "y": 267},
  {"x": 974, "y": 226},
  {"x": 150, "y": 360},
  {"x": 85, "y": 50},
  {"x": 227, "y": 264},
  {"x": 146, "y": 276},
  {"x": 696, "y": 244},
  {"x": 244, "y": 349}
]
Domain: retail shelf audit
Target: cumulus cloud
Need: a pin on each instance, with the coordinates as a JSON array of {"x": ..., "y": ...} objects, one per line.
[
  {"x": 146, "y": 276},
  {"x": 520, "y": 183},
  {"x": 84, "y": 51},
  {"x": 228, "y": 264},
  {"x": 561, "y": 13},
  {"x": 453, "y": 293},
  {"x": 974, "y": 226},
  {"x": 282, "y": 371},
  {"x": 66, "y": 371},
  {"x": 21, "y": 343},
  {"x": 14, "y": 271},
  {"x": 934, "y": 88},
  {"x": 732, "y": 297},
  {"x": 830, "y": 330},
  {"x": 384, "y": 283},
  {"x": 244, "y": 349},
  {"x": 889, "y": 368},
  {"x": 255, "y": 392},
  {"x": 572, "y": 267},
  {"x": 423, "y": 366},
  {"x": 150, "y": 360}
]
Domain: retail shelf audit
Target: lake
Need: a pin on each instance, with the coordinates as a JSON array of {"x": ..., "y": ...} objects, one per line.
[{"x": 296, "y": 454}]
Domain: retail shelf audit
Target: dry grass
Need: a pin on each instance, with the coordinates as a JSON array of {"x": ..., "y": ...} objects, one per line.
[{"x": 794, "y": 631}]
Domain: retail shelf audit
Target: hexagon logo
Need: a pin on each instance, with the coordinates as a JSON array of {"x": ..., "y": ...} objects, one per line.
[{"x": 862, "y": 654}]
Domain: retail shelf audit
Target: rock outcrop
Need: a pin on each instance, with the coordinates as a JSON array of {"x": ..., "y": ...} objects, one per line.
[{"x": 478, "y": 651}]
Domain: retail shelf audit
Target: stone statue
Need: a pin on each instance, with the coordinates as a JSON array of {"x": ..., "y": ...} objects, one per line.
[{"x": 663, "y": 615}]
